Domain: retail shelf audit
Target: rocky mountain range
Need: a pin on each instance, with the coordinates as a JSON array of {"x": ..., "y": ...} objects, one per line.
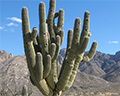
[{"x": 101, "y": 74}]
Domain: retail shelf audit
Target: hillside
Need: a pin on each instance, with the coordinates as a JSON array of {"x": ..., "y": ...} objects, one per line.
[
  {"x": 101, "y": 74},
  {"x": 13, "y": 75}
]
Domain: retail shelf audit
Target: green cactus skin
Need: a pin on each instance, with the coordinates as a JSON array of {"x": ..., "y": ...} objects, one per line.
[
  {"x": 25, "y": 91},
  {"x": 78, "y": 47},
  {"x": 42, "y": 51}
]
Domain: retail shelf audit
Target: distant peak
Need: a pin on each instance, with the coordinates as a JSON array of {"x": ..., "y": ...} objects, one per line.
[
  {"x": 1, "y": 51},
  {"x": 4, "y": 52},
  {"x": 117, "y": 53}
]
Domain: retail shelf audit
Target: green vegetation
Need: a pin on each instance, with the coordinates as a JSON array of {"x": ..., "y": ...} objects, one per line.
[
  {"x": 25, "y": 91},
  {"x": 42, "y": 51}
]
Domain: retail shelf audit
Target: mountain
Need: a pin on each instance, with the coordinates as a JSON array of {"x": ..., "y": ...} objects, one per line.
[
  {"x": 101, "y": 74},
  {"x": 13, "y": 75},
  {"x": 103, "y": 65}
]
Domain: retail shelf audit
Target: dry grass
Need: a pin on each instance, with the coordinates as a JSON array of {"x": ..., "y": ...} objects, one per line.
[{"x": 94, "y": 94}]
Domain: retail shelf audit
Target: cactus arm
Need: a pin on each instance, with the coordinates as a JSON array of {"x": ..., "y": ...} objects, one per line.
[
  {"x": 36, "y": 44},
  {"x": 53, "y": 76},
  {"x": 48, "y": 66},
  {"x": 60, "y": 21},
  {"x": 43, "y": 31},
  {"x": 76, "y": 33},
  {"x": 91, "y": 53},
  {"x": 50, "y": 20},
  {"x": 73, "y": 73},
  {"x": 44, "y": 88},
  {"x": 85, "y": 28},
  {"x": 30, "y": 53},
  {"x": 58, "y": 42},
  {"x": 25, "y": 21},
  {"x": 61, "y": 34},
  {"x": 25, "y": 91},
  {"x": 52, "y": 50},
  {"x": 69, "y": 42},
  {"x": 69, "y": 62},
  {"x": 69, "y": 39},
  {"x": 34, "y": 33},
  {"x": 39, "y": 67},
  {"x": 28, "y": 46}
]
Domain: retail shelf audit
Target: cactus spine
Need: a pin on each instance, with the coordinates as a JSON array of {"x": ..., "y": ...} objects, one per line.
[{"x": 42, "y": 51}]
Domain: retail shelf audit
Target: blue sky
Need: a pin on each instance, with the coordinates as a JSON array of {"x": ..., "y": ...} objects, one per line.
[{"x": 104, "y": 22}]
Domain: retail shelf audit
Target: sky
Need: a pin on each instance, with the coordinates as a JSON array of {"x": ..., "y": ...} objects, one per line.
[{"x": 104, "y": 22}]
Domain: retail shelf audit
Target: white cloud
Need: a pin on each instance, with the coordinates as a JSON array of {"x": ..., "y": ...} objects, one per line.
[
  {"x": 12, "y": 24},
  {"x": 115, "y": 42},
  {"x": 15, "y": 19},
  {"x": 1, "y": 27}
]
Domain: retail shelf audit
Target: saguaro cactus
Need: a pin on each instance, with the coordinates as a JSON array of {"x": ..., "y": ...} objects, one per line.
[{"x": 42, "y": 51}]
